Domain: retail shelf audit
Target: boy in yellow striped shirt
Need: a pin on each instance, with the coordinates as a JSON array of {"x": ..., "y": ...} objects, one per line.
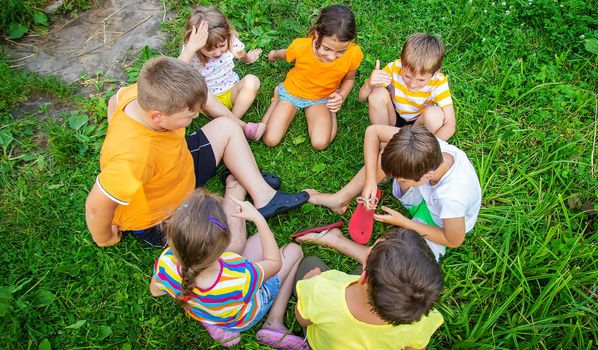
[{"x": 411, "y": 89}]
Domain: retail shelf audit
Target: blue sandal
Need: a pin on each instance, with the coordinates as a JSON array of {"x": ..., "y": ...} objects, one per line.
[
  {"x": 282, "y": 202},
  {"x": 272, "y": 180}
]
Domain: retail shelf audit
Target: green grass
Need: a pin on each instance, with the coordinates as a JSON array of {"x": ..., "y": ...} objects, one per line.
[{"x": 525, "y": 91}]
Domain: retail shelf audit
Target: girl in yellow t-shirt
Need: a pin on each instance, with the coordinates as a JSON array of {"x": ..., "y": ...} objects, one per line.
[{"x": 323, "y": 76}]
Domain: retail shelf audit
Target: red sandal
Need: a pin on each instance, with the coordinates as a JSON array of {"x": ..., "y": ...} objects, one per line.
[{"x": 361, "y": 223}]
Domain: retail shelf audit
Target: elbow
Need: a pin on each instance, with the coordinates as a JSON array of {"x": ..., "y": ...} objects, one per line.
[{"x": 455, "y": 243}]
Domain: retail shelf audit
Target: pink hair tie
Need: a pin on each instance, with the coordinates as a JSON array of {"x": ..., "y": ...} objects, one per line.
[{"x": 186, "y": 298}]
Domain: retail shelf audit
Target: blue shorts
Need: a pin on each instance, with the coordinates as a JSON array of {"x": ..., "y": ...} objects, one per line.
[
  {"x": 266, "y": 295},
  {"x": 297, "y": 102}
]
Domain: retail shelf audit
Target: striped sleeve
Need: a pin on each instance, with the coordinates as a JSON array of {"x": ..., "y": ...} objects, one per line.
[
  {"x": 441, "y": 94},
  {"x": 166, "y": 273}
]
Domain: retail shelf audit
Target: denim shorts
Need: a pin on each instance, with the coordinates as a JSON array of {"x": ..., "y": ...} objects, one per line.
[
  {"x": 297, "y": 102},
  {"x": 266, "y": 295}
]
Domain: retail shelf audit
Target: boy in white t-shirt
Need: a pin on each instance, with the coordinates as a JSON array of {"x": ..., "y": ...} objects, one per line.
[{"x": 433, "y": 180}]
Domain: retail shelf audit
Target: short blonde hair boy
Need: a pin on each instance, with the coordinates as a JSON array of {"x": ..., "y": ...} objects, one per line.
[
  {"x": 422, "y": 53},
  {"x": 170, "y": 86}
]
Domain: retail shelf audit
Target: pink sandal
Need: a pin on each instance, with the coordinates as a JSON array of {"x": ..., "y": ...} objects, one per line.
[
  {"x": 281, "y": 339},
  {"x": 225, "y": 338},
  {"x": 254, "y": 131}
]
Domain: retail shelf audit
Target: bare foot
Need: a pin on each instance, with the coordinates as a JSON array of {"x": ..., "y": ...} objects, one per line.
[
  {"x": 326, "y": 240},
  {"x": 328, "y": 200}
]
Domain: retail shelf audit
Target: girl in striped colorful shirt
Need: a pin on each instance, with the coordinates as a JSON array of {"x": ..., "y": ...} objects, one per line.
[
  {"x": 411, "y": 89},
  {"x": 228, "y": 293}
]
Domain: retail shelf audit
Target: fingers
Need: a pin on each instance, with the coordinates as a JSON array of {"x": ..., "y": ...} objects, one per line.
[
  {"x": 388, "y": 210},
  {"x": 377, "y": 65}
]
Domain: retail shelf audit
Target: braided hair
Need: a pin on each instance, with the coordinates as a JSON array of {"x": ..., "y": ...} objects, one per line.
[{"x": 198, "y": 234}]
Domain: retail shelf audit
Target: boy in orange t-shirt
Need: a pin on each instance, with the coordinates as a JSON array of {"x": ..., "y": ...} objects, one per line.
[{"x": 148, "y": 167}]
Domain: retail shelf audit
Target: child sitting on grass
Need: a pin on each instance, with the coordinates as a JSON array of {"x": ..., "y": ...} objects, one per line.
[
  {"x": 323, "y": 77},
  {"x": 388, "y": 305},
  {"x": 411, "y": 90},
  {"x": 227, "y": 292},
  {"x": 148, "y": 167},
  {"x": 211, "y": 45},
  {"x": 433, "y": 180}
]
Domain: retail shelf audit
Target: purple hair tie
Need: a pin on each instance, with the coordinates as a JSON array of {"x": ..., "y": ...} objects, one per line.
[{"x": 217, "y": 223}]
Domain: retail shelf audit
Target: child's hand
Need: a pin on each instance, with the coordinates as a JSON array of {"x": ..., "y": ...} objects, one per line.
[
  {"x": 391, "y": 217},
  {"x": 369, "y": 192},
  {"x": 379, "y": 77},
  {"x": 335, "y": 102},
  {"x": 246, "y": 210},
  {"x": 198, "y": 37},
  {"x": 253, "y": 55},
  {"x": 272, "y": 55}
]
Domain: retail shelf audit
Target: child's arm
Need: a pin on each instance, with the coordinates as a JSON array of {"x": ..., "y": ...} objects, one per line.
[
  {"x": 248, "y": 57},
  {"x": 377, "y": 78},
  {"x": 375, "y": 135},
  {"x": 337, "y": 98},
  {"x": 154, "y": 288},
  {"x": 451, "y": 235},
  {"x": 197, "y": 40},
  {"x": 112, "y": 102},
  {"x": 99, "y": 213},
  {"x": 448, "y": 128},
  {"x": 276, "y": 55},
  {"x": 272, "y": 262}
]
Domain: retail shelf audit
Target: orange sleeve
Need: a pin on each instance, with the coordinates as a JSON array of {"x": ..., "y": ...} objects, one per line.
[
  {"x": 292, "y": 50},
  {"x": 357, "y": 58}
]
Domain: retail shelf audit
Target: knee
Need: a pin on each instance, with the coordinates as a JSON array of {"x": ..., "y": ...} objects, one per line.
[
  {"x": 320, "y": 144},
  {"x": 378, "y": 96},
  {"x": 433, "y": 117},
  {"x": 237, "y": 245},
  {"x": 270, "y": 139},
  {"x": 251, "y": 83},
  {"x": 292, "y": 252},
  {"x": 227, "y": 126}
]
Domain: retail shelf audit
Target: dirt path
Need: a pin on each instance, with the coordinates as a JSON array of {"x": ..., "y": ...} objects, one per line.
[{"x": 98, "y": 41}]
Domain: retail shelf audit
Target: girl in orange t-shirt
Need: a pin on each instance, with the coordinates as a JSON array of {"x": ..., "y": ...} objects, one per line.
[{"x": 323, "y": 76}]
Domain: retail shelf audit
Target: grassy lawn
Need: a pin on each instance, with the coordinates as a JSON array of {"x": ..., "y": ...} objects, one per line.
[{"x": 524, "y": 80}]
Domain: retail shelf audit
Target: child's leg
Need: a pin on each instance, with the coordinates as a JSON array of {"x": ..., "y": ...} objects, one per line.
[
  {"x": 432, "y": 118},
  {"x": 380, "y": 107},
  {"x": 236, "y": 226},
  {"x": 273, "y": 102},
  {"x": 277, "y": 121},
  {"x": 321, "y": 126},
  {"x": 215, "y": 109},
  {"x": 338, "y": 202},
  {"x": 244, "y": 93},
  {"x": 291, "y": 256},
  {"x": 229, "y": 144}
]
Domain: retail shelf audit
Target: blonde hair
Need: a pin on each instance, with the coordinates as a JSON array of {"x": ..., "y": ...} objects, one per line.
[
  {"x": 170, "y": 86},
  {"x": 219, "y": 29},
  {"x": 198, "y": 235},
  {"x": 422, "y": 53}
]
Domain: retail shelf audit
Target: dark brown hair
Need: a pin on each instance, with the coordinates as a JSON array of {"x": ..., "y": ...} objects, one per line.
[
  {"x": 411, "y": 153},
  {"x": 404, "y": 279},
  {"x": 198, "y": 234},
  {"x": 219, "y": 29},
  {"x": 334, "y": 21},
  {"x": 170, "y": 86},
  {"x": 422, "y": 53}
]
